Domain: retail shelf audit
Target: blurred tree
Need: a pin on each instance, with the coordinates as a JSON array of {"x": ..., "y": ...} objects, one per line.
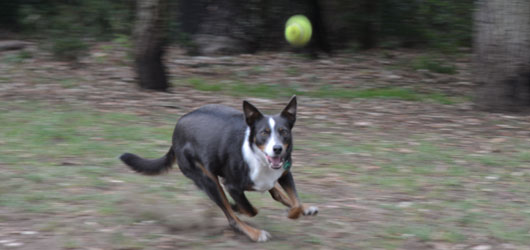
[
  {"x": 242, "y": 26},
  {"x": 149, "y": 40},
  {"x": 9, "y": 14},
  {"x": 368, "y": 32},
  {"x": 502, "y": 55},
  {"x": 320, "y": 35}
]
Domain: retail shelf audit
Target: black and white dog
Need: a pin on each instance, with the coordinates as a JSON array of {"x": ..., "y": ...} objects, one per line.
[{"x": 250, "y": 151}]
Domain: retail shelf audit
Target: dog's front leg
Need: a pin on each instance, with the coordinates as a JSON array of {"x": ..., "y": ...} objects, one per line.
[
  {"x": 277, "y": 195},
  {"x": 297, "y": 208}
]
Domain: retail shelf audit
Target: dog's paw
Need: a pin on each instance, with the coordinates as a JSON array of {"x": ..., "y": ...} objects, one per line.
[
  {"x": 263, "y": 236},
  {"x": 310, "y": 210},
  {"x": 253, "y": 233},
  {"x": 294, "y": 213}
]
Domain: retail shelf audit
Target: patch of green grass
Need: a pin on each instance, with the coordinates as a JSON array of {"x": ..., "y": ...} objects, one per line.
[
  {"x": 256, "y": 70},
  {"x": 524, "y": 156},
  {"x": 238, "y": 88},
  {"x": 469, "y": 219},
  {"x": 108, "y": 209},
  {"x": 453, "y": 236},
  {"x": 107, "y": 47},
  {"x": 444, "y": 99},
  {"x": 400, "y": 183},
  {"x": 37, "y": 178},
  {"x": 69, "y": 48},
  {"x": 504, "y": 232},
  {"x": 42, "y": 138},
  {"x": 71, "y": 244},
  {"x": 422, "y": 232},
  {"x": 4, "y": 79},
  {"x": 391, "y": 93},
  {"x": 16, "y": 57},
  {"x": 50, "y": 226},
  {"x": 72, "y": 133},
  {"x": 122, "y": 41},
  {"x": 202, "y": 85},
  {"x": 121, "y": 241},
  {"x": 383, "y": 93},
  {"x": 292, "y": 71},
  {"x": 25, "y": 54},
  {"x": 313, "y": 240},
  {"x": 260, "y": 90},
  {"x": 433, "y": 64}
]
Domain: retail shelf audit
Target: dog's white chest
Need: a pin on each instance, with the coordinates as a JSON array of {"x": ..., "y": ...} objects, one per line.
[
  {"x": 264, "y": 177},
  {"x": 260, "y": 173}
]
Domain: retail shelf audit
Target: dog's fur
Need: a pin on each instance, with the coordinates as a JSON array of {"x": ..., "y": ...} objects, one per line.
[{"x": 250, "y": 151}]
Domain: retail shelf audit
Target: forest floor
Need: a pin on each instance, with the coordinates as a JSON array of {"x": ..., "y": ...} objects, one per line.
[{"x": 392, "y": 152}]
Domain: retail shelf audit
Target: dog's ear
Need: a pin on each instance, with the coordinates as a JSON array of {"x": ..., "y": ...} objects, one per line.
[
  {"x": 252, "y": 114},
  {"x": 289, "y": 112}
]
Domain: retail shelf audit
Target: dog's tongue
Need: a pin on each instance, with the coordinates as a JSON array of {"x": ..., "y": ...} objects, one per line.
[{"x": 275, "y": 161}]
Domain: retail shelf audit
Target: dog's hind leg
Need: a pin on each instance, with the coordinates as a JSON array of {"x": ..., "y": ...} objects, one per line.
[
  {"x": 210, "y": 184},
  {"x": 242, "y": 204}
]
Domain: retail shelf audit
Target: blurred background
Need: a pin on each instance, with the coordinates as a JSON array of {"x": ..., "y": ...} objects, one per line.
[{"x": 413, "y": 129}]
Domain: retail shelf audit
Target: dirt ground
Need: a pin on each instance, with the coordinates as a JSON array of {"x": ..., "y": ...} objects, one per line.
[{"x": 386, "y": 172}]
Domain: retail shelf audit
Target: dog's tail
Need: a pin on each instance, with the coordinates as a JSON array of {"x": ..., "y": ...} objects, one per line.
[{"x": 149, "y": 166}]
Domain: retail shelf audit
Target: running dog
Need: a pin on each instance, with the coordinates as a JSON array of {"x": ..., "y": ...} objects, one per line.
[{"x": 250, "y": 151}]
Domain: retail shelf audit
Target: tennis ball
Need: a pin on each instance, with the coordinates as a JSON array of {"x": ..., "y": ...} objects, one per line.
[{"x": 298, "y": 30}]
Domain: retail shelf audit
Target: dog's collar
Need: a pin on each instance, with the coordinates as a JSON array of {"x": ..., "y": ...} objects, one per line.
[{"x": 287, "y": 165}]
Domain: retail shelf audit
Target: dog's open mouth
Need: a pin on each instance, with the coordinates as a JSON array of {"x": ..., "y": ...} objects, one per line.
[{"x": 275, "y": 162}]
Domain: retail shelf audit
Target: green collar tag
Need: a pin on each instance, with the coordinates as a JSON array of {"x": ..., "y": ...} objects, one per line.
[{"x": 287, "y": 165}]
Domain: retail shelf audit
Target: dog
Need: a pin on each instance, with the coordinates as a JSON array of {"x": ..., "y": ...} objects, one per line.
[{"x": 248, "y": 151}]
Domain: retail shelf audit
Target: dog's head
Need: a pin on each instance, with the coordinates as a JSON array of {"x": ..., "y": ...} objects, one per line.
[{"x": 271, "y": 135}]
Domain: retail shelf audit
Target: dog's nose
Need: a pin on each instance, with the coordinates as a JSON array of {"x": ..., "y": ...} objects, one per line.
[{"x": 277, "y": 149}]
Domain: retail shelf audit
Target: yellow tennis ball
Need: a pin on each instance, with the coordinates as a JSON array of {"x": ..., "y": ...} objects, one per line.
[{"x": 298, "y": 30}]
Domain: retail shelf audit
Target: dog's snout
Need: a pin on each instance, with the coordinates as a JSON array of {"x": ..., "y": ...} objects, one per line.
[{"x": 277, "y": 149}]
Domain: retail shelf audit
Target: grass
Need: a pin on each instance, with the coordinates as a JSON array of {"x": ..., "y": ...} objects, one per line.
[
  {"x": 15, "y": 58},
  {"x": 237, "y": 88},
  {"x": 69, "y": 83},
  {"x": 433, "y": 64},
  {"x": 292, "y": 71},
  {"x": 459, "y": 203},
  {"x": 380, "y": 93},
  {"x": 41, "y": 147},
  {"x": 58, "y": 163},
  {"x": 202, "y": 85}
]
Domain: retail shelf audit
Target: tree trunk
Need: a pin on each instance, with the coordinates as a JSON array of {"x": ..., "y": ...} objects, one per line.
[
  {"x": 320, "y": 34},
  {"x": 368, "y": 32},
  {"x": 149, "y": 40},
  {"x": 502, "y": 55}
]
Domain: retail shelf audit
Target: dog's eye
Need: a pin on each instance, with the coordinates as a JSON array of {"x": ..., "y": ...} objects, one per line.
[
  {"x": 265, "y": 132},
  {"x": 283, "y": 132}
]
